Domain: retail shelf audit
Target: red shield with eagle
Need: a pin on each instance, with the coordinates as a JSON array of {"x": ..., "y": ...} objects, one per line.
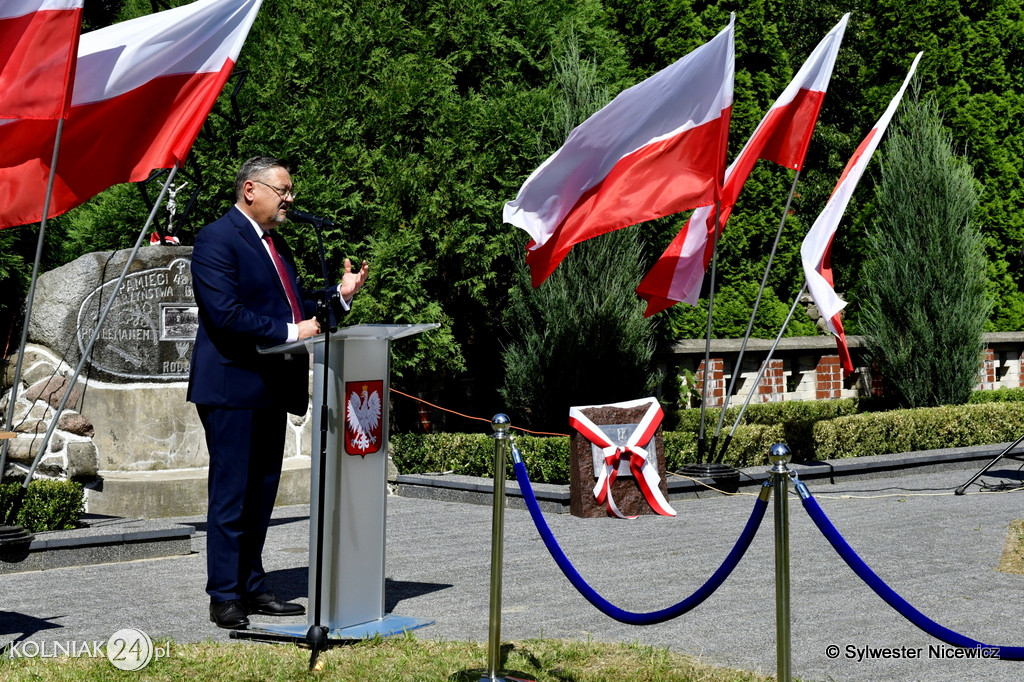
[{"x": 364, "y": 410}]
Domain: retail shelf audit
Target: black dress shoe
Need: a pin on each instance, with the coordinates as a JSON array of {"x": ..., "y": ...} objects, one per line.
[
  {"x": 267, "y": 604},
  {"x": 228, "y": 614}
]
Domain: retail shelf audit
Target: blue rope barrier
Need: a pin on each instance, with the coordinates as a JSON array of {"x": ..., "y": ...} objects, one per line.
[
  {"x": 1010, "y": 653},
  {"x": 602, "y": 604}
]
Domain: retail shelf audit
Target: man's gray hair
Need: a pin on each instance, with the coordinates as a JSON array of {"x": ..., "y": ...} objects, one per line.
[{"x": 254, "y": 168}]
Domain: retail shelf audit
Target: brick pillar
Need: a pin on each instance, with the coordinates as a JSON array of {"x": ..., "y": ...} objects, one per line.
[
  {"x": 987, "y": 371},
  {"x": 828, "y": 378},
  {"x": 716, "y": 389},
  {"x": 772, "y": 386},
  {"x": 877, "y": 382}
]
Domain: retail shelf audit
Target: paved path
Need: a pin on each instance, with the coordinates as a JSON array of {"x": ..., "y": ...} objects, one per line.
[{"x": 935, "y": 549}]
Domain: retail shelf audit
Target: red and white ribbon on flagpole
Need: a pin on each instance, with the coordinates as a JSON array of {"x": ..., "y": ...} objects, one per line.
[{"x": 643, "y": 470}]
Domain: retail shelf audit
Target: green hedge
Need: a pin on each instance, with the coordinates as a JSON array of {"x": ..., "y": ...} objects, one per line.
[
  {"x": 472, "y": 454},
  {"x": 547, "y": 459},
  {"x": 928, "y": 428},
  {"x": 814, "y": 430},
  {"x": 789, "y": 422},
  {"x": 793, "y": 411},
  {"x": 48, "y": 504},
  {"x": 1000, "y": 395}
]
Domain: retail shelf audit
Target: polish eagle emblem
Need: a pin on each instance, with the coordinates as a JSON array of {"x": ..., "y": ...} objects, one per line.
[{"x": 363, "y": 423}]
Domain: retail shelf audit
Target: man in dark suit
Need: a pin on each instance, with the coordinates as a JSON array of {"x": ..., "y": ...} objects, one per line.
[{"x": 248, "y": 295}]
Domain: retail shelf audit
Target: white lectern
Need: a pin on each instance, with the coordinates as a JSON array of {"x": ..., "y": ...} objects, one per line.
[{"x": 351, "y": 594}]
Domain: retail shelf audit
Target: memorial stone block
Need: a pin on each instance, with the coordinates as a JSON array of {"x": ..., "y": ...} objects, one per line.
[
  {"x": 134, "y": 408},
  {"x": 586, "y": 462},
  {"x": 149, "y": 332}
]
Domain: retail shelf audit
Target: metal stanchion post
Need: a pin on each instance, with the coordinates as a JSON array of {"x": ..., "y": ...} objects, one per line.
[
  {"x": 502, "y": 445},
  {"x": 779, "y": 456}
]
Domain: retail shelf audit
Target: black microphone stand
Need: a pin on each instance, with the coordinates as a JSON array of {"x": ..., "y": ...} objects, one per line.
[{"x": 317, "y": 635}]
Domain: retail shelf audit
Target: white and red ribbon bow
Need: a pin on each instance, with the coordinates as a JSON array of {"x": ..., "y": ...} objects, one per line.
[{"x": 643, "y": 470}]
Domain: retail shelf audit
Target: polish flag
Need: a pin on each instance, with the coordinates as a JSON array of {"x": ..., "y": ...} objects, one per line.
[
  {"x": 38, "y": 41},
  {"x": 657, "y": 148},
  {"x": 782, "y": 136},
  {"x": 142, "y": 90},
  {"x": 816, "y": 250}
]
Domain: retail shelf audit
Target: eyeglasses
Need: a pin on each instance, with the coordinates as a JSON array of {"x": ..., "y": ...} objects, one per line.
[{"x": 283, "y": 192}]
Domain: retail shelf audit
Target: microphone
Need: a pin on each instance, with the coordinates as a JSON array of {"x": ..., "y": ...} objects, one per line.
[{"x": 297, "y": 216}]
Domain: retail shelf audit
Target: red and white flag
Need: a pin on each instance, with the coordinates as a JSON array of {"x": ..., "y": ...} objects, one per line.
[
  {"x": 38, "y": 42},
  {"x": 816, "y": 250},
  {"x": 782, "y": 136},
  {"x": 657, "y": 148},
  {"x": 142, "y": 90}
]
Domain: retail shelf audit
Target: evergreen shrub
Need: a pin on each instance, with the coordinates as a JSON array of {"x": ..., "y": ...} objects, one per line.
[
  {"x": 48, "y": 504},
  {"x": 925, "y": 301}
]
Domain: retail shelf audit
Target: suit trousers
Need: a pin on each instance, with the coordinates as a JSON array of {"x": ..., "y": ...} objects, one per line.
[{"x": 246, "y": 451}]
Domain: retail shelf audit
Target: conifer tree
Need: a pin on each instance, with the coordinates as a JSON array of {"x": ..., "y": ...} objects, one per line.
[{"x": 925, "y": 304}]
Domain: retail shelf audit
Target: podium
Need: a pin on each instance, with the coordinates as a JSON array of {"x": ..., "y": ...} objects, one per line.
[{"x": 353, "y": 531}]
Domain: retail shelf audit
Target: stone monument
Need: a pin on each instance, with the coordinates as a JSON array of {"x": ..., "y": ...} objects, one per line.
[
  {"x": 617, "y": 424},
  {"x": 127, "y": 430}
]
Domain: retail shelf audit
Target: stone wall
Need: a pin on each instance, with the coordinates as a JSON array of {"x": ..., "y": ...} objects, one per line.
[
  {"x": 807, "y": 367},
  {"x": 71, "y": 452},
  {"x": 108, "y": 427}
]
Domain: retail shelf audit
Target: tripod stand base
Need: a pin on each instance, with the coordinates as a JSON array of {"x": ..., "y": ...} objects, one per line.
[
  {"x": 1004, "y": 453},
  {"x": 296, "y": 634},
  {"x": 481, "y": 675}
]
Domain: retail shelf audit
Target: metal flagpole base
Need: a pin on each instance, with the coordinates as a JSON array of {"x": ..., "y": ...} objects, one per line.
[
  {"x": 724, "y": 476},
  {"x": 296, "y": 633},
  {"x": 14, "y": 544}
]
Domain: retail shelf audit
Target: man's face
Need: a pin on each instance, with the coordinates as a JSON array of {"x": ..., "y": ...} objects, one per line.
[{"x": 269, "y": 196}]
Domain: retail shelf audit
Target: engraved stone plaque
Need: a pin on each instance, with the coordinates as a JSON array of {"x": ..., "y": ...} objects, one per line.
[
  {"x": 149, "y": 332},
  {"x": 151, "y": 326}
]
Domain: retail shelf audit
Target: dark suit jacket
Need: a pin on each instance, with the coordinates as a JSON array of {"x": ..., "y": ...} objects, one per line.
[{"x": 242, "y": 305}]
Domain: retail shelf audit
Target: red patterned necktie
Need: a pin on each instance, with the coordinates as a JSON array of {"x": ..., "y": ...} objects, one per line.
[{"x": 286, "y": 281}]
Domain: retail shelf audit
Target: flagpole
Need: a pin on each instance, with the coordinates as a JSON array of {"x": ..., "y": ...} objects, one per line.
[
  {"x": 92, "y": 341},
  {"x": 753, "y": 314},
  {"x": 707, "y": 337},
  {"x": 760, "y": 371},
  {"x": 31, "y": 293}
]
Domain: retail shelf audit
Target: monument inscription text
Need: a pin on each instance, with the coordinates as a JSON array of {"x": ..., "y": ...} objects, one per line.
[{"x": 151, "y": 326}]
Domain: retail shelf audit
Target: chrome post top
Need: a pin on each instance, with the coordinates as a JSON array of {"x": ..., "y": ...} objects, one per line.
[
  {"x": 501, "y": 424},
  {"x": 779, "y": 456}
]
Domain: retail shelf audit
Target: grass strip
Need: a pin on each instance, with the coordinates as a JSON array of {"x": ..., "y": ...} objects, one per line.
[{"x": 404, "y": 659}]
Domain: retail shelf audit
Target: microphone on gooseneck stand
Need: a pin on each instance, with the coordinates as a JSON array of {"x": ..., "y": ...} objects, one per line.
[
  {"x": 317, "y": 634},
  {"x": 297, "y": 216},
  {"x": 323, "y": 307}
]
